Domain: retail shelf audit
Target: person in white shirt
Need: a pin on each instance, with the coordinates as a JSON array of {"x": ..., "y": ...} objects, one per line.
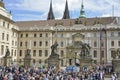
[{"x": 114, "y": 76}]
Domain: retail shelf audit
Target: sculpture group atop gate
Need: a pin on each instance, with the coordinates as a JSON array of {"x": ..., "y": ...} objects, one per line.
[
  {"x": 85, "y": 50},
  {"x": 53, "y": 59}
]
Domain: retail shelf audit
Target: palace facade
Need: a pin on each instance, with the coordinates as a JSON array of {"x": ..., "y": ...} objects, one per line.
[{"x": 102, "y": 34}]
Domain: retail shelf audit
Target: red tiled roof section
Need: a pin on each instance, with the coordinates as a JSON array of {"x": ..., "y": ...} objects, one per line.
[
  {"x": 42, "y": 23},
  {"x": 93, "y": 21},
  {"x": 66, "y": 22}
]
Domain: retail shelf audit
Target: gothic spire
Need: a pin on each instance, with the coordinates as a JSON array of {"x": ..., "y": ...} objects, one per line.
[
  {"x": 82, "y": 11},
  {"x": 50, "y": 13},
  {"x": 66, "y": 12}
]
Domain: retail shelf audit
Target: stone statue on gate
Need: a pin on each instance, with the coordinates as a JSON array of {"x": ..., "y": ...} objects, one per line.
[
  {"x": 53, "y": 59},
  {"x": 54, "y": 48},
  {"x": 85, "y": 50},
  {"x": 28, "y": 53},
  {"x": 7, "y": 52}
]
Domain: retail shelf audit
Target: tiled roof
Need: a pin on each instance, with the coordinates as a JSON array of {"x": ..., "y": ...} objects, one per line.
[{"x": 66, "y": 22}]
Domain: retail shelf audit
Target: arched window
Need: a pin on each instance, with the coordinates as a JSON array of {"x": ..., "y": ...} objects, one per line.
[
  {"x": 40, "y": 61},
  {"x": 119, "y": 43},
  {"x": 61, "y": 44},
  {"x": 40, "y": 43},
  {"x": 40, "y": 53},
  {"x": 34, "y": 53},
  {"x": 34, "y": 61},
  {"x": 26, "y": 35},
  {"x": 46, "y": 43},
  {"x": 20, "y": 43},
  {"x": 35, "y": 35},
  {"x": 40, "y": 35},
  {"x": 62, "y": 53},
  {"x": 46, "y": 53},
  {"x": 21, "y": 35},
  {"x": 15, "y": 53},
  {"x": 95, "y": 53},
  {"x": 7, "y": 37},
  {"x": 20, "y": 52},
  {"x": 3, "y": 36},
  {"x": 34, "y": 43},
  {"x": 112, "y": 43}
]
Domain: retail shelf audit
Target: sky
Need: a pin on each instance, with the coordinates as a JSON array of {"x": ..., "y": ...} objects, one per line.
[{"x": 24, "y": 10}]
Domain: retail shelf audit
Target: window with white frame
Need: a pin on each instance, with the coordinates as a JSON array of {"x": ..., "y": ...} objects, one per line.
[
  {"x": 34, "y": 53},
  {"x": 46, "y": 53},
  {"x": 112, "y": 34},
  {"x": 112, "y": 43},
  {"x": 40, "y": 53},
  {"x": 95, "y": 53}
]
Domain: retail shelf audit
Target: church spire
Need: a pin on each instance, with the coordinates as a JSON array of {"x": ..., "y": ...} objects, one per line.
[
  {"x": 82, "y": 12},
  {"x": 50, "y": 13},
  {"x": 66, "y": 12},
  {"x": 2, "y": 4}
]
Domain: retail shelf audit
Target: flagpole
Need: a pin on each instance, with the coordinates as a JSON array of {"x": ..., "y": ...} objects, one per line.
[
  {"x": 112, "y": 10},
  {"x": 100, "y": 42},
  {"x": 105, "y": 40},
  {"x": 100, "y": 46}
]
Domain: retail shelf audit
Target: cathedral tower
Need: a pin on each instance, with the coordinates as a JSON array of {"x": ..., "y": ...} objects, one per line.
[
  {"x": 50, "y": 13},
  {"x": 66, "y": 12}
]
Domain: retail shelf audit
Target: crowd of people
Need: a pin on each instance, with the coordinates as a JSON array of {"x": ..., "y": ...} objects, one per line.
[{"x": 52, "y": 73}]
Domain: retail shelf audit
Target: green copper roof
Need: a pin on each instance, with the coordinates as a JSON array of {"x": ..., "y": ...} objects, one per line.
[{"x": 82, "y": 11}]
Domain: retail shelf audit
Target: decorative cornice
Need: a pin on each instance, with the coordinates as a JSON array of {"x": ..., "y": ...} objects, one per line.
[{"x": 6, "y": 19}]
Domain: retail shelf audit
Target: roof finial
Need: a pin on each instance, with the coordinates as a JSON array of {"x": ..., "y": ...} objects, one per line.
[
  {"x": 66, "y": 12},
  {"x": 50, "y": 13},
  {"x": 82, "y": 12},
  {"x": 10, "y": 12}
]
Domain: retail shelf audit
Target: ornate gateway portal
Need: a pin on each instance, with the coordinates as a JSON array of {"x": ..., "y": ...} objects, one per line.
[{"x": 78, "y": 53}]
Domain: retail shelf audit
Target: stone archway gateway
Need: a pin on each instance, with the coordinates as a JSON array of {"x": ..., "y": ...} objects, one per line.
[{"x": 79, "y": 50}]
